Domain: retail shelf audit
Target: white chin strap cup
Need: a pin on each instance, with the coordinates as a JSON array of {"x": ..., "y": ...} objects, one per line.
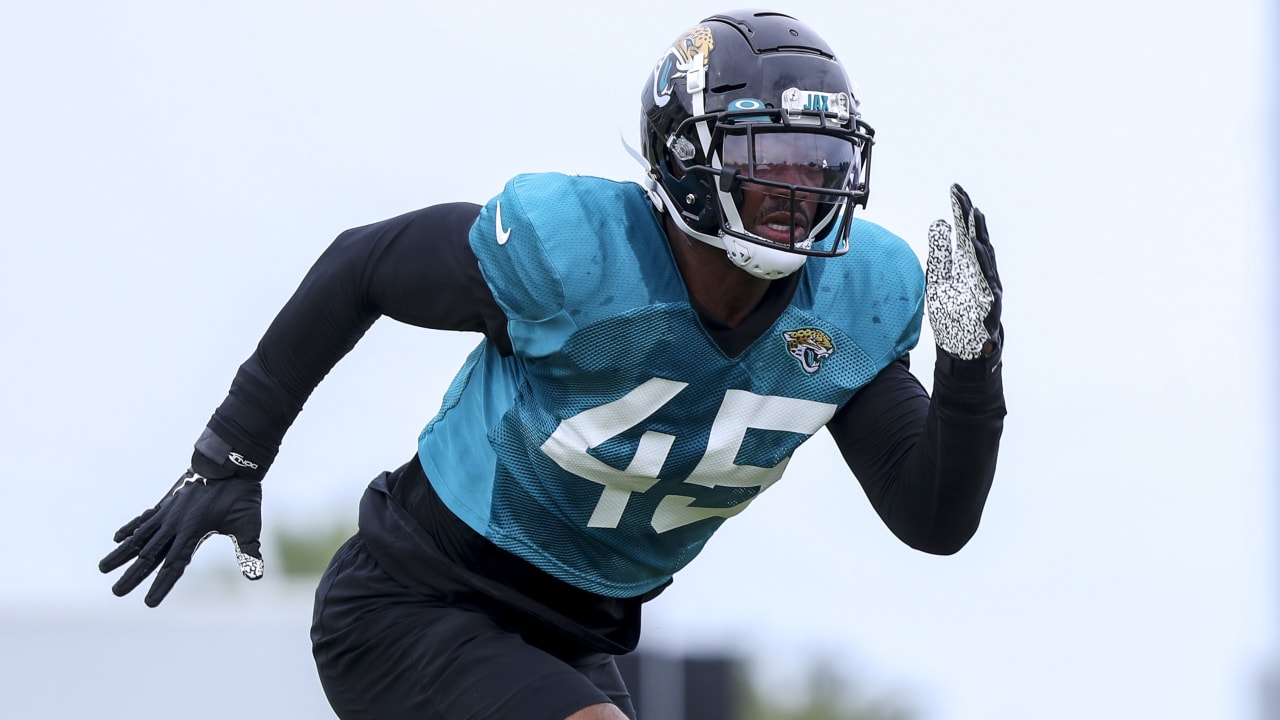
[{"x": 761, "y": 261}]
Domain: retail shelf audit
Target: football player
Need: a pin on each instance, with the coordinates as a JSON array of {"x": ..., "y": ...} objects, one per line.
[{"x": 652, "y": 355}]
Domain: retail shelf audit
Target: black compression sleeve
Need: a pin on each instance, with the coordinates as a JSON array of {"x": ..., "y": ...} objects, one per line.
[
  {"x": 926, "y": 465},
  {"x": 417, "y": 268}
]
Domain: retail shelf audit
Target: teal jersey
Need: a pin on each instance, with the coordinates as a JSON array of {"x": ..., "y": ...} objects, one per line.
[{"x": 618, "y": 436}]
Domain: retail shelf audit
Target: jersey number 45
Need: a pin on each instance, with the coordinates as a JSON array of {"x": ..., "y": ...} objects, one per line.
[{"x": 739, "y": 412}]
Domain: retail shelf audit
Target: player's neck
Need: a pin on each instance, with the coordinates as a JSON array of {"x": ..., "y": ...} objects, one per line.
[{"x": 724, "y": 290}]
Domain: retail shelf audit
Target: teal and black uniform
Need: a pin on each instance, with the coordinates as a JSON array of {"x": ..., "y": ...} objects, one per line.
[
  {"x": 615, "y": 438},
  {"x": 602, "y": 430}
]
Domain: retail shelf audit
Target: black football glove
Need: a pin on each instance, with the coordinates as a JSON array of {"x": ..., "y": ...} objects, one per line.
[
  {"x": 195, "y": 508},
  {"x": 962, "y": 285}
]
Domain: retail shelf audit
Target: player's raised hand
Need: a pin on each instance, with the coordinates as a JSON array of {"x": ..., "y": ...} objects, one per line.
[
  {"x": 962, "y": 285},
  {"x": 167, "y": 535}
]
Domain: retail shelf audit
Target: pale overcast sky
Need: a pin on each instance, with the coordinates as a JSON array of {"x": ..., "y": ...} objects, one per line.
[{"x": 169, "y": 171}]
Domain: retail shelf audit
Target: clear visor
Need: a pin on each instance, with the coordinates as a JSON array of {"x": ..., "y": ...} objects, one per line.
[
  {"x": 787, "y": 187},
  {"x": 801, "y": 159}
]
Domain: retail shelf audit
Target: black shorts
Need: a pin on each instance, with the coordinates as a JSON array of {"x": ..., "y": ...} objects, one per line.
[{"x": 385, "y": 652}]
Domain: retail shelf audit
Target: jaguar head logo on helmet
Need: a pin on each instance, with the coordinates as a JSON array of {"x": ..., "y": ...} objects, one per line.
[
  {"x": 683, "y": 56},
  {"x": 753, "y": 142}
]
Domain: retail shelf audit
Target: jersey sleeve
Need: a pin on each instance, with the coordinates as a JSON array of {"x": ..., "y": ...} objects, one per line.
[
  {"x": 416, "y": 268},
  {"x": 873, "y": 294},
  {"x": 520, "y": 270},
  {"x": 896, "y": 303}
]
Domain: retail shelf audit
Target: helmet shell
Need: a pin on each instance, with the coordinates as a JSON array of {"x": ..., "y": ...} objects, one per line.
[{"x": 742, "y": 55}]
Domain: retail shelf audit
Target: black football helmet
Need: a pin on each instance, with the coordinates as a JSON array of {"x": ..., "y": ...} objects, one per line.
[{"x": 753, "y": 141}]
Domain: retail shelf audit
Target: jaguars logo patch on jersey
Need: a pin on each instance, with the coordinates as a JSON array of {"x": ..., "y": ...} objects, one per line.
[{"x": 810, "y": 346}]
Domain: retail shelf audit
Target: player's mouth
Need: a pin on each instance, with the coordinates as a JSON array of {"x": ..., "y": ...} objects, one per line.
[{"x": 776, "y": 227}]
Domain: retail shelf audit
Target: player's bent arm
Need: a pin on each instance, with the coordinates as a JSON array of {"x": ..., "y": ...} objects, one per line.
[
  {"x": 926, "y": 465},
  {"x": 417, "y": 268}
]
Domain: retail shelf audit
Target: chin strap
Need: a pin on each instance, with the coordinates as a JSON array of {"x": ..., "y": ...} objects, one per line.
[
  {"x": 761, "y": 261},
  {"x": 649, "y": 184}
]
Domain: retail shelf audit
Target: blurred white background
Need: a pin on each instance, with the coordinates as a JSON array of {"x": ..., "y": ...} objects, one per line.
[{"x": 168, "y": 172}]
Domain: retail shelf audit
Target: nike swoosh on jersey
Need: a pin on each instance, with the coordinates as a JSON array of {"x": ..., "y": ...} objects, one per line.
[{"x": 502, "y": 234}]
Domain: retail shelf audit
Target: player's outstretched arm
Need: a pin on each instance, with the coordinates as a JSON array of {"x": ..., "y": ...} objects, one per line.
[{"x": 417, "y": 268}]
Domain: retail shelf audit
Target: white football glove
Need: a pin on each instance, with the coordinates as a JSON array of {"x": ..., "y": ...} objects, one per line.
[{"x": 962, "y": 286}]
